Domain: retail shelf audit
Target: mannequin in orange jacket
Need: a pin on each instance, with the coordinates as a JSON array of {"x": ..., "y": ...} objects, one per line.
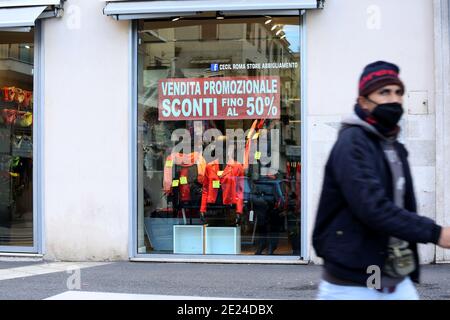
[{"x": 230, "y": 181}]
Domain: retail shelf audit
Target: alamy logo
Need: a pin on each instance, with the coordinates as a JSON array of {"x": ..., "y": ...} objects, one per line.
[
  {"x": 374, "y": 280},
  {"x": 73, "y": 20},
  {"x": 74, "y": 281},
  {"x": 373, "y": 21}
]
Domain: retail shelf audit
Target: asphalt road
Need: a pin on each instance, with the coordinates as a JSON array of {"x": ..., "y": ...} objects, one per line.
[{"x": 251, "y": 281}]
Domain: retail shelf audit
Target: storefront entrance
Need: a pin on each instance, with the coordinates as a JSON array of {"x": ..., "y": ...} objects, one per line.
[{"x": 16, "y": 140}]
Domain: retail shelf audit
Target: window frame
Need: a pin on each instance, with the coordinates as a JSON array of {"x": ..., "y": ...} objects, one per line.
[{"x": 134, "y": 255}]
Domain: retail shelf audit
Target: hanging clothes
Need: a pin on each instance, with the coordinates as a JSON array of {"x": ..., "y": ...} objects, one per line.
[
  {"x": 230, "y": 182},
  {"x": 188, "y": 192},
  {"x": 183, "y": 178},
  {"x": 183, "y": 160}
]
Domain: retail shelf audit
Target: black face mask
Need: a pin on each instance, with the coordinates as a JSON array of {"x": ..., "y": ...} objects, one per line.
[{"x": 388, "y": 114}]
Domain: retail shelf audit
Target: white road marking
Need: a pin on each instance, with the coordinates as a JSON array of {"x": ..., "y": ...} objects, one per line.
[{"x": 45, "y": 268}]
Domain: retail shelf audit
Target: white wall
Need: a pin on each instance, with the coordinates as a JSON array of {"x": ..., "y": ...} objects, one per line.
[
  {"x": 341, "y": 40},
  {"x": 86, "y": 202}
]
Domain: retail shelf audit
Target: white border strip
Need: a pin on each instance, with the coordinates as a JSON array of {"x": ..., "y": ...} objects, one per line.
[
  {"x": 225, "y": 260},
  {"x": 27, "y": 3}
]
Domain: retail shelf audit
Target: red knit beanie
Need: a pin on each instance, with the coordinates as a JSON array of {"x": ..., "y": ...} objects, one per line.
[{"x": 377, "y": 75}]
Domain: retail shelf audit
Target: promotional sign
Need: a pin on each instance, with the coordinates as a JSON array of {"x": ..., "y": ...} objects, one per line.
[{"x": 224, "y": 98}]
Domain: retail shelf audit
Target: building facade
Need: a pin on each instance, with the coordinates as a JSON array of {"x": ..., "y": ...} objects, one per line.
[{"x": 197, "y": 130}]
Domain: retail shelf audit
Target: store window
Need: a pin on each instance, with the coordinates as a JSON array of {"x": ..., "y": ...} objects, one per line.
[
  {"x": 218, "y": 125},
  {"x": 16, "y": 138}
]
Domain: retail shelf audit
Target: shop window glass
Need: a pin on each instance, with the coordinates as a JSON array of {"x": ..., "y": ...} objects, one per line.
[
  {"x": 16, "y": 138},
  {"x": 218, "y": 127}
]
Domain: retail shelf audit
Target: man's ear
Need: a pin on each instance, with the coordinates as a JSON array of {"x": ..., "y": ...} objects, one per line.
[
  {"x": 363, "y": 103},
  {"x": 360, "y": 100}
]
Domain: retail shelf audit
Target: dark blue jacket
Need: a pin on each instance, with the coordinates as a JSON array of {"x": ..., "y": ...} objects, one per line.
[{"x": 356, "y": 213}]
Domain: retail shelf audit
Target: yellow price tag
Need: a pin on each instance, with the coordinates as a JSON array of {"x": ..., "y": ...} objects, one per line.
[
  {"x": 175, "y": 183},
  {"x": 216, "y": 184},
  {"x": 258, "y": 155},
  {"x": 169, "y": 163},
  {"x": 219, "y": 173},
  {"x": 183, "y": 180}
]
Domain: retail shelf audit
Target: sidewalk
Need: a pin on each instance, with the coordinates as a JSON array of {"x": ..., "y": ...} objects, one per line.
[{"x": 144, "y": 280}]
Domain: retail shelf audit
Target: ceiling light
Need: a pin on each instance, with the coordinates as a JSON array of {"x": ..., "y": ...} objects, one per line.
[
  {"x": 176, "y": 18},
  {"x": 283, "y": 36},
  {"x": 279, "y": 31},
  {"x": 219, "y": 16},
  {"x": 268, "y": 21},
  {"x": 273, "y": 27}
]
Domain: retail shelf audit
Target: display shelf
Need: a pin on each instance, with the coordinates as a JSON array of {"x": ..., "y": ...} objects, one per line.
[
  {"x": 14, "y": 128},
  {"x": 24, "y": 130},
  {"x": 200, "y": 239},
  {"x": 14, "y": 105},
  {"x": 188, "y": 239},
  {"x": 8, "y": 105},
  {"x": 223, "y": 240}
]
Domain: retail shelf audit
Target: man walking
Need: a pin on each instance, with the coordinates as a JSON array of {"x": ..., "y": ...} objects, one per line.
[{"x": 367, "y": 210}]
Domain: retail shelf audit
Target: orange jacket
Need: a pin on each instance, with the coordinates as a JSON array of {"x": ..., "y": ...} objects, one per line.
[
  {"x": 185, "y": 160},
  {"x": 231, "y": 182}
]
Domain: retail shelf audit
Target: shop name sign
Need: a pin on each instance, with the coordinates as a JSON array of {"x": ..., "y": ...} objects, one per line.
[{"x": 224, "y": 98}]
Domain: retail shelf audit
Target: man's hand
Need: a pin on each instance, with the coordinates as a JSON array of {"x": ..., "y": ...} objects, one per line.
[{"x": 444, "y": 240}]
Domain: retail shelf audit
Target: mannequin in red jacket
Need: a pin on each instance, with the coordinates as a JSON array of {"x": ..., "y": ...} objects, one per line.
[{"x": 225, "y": 179}]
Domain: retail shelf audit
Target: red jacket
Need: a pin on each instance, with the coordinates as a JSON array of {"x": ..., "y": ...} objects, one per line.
[{"x": 231, "y": 182}]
